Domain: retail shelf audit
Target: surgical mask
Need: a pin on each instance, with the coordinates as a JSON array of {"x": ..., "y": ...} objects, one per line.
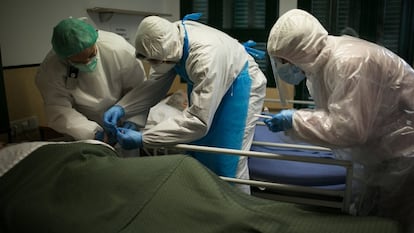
[
  {"x": 88, "y": 67},
  {"x": 290, "y": 73}
]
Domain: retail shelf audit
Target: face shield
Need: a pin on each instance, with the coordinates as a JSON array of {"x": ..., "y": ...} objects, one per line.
[
  {"x": 289, "y": 73},
  {"x": 281, "y": 86}
]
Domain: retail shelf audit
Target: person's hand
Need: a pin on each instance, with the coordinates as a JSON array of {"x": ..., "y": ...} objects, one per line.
[
  {"x": 111, "y": 118},
  {"x": 129, "y": 139},
  {"x": 130, "y": 125},
  {"x": 281, "y": 121}
]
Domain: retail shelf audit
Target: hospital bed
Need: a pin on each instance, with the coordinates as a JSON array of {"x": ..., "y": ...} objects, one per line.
[
  {"x": 291, "y": 185},
  {"x": 314, "y": 201},
  {"x": 86, "y": 187},
  {"x": 332, "y": 176},
  {"x": 297, "y": 173},
  {"x": 322, "y": 179}
]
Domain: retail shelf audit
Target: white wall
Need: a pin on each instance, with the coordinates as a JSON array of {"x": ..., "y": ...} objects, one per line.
[{"x": 26, "y": 26}]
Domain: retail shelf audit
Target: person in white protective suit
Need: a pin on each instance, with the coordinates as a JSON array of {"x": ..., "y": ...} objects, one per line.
[
  {"x": 85, "y": 73},
  {"x": 364, "y": 97},
  {"x": 225, "y": 89}
]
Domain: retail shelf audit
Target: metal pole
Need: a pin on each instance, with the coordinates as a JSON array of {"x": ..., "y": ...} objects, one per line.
[
  {"x": 294, "y": 146},
  {"x": 216, "y": 150},
  {"x": 290, "y": 101}
]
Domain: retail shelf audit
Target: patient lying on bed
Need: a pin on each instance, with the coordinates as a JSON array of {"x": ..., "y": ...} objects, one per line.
[
  {"x": 85, "y": 187},
  {"x": 170, "y": 106}
]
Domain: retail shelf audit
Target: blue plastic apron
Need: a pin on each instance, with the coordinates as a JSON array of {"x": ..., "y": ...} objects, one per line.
[{"x": 229, "y": 122}]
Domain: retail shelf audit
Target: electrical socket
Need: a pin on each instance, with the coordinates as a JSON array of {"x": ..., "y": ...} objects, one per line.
[{"x": 24, "y": 124}]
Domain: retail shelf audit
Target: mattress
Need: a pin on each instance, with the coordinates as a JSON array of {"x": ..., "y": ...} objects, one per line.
[{"x": 292, "y": 172}]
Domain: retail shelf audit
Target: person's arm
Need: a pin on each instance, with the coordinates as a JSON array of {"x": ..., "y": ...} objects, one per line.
[
  {"x": 62, "y": 117},
  {"x": 211, "y": 79},
  {"x": 66, "y": 120},
  {"x": 146, "y": 95},
  {"x": 351, "y": 110},
  {"x": 132, "y": 70}
]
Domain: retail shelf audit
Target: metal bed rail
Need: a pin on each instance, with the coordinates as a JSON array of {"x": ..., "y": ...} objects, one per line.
[
  {"x": 296, "y": 189},
  {"x": 290, "y": 101},
  {"x": 343, "y": 196},
  {"x": 294, "y": 146}
]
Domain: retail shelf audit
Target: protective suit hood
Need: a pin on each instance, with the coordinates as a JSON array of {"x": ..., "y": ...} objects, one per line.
[
  {"x": 298, "y": 37},
  {"x": 159, "y": 39}
]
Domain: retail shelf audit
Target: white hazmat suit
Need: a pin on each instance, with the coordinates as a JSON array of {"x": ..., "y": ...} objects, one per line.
[
  {"x": 75, "y": 106},
  {"x": 214, "y": 62},
  {"x": 364, "y": 97}
]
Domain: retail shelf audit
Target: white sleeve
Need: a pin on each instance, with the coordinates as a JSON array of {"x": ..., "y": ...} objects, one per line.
[
  {"x": 140, "y": 99},
  {"x": 211, "y": 80},
  {"x": 58, "y": 102},
  {"x": 351, "y": 107},
  {"x": 68, "y": 121}
]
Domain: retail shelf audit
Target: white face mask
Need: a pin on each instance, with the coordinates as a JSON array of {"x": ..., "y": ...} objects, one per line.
[
  {"x": 163, "y": 67},
  {"x": 290, "y": 73}
]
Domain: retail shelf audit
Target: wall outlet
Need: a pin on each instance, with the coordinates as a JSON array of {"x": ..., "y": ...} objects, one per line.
[{"x": 25, "y": 124}]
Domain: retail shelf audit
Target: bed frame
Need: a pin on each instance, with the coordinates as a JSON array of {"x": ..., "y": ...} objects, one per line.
[{"x": 338, "y": 199}]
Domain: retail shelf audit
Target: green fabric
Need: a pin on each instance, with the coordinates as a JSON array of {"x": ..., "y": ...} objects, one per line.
[
  {"x": 72, "y": 36},
  {"x": 87, "y": 188}
]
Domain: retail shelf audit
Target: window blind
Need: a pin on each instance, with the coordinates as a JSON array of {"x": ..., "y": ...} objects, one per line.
[
  {"x": 321, "y": 10},
  {"x": 391, "y": 25},
  {"x": 342, "y": 17},
  {"x": 248, "y": 14},
  {"x": 201, "y": 6}
]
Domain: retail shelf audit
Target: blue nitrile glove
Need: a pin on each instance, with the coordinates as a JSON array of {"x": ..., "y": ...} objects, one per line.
[
  {"x": 111, "y": 118},
  {"x": 129, "y": 139},
  {"x": 281, "y": 121},
  {"x": 256, "y": 53},
  {"x": 130, "y": 125}
]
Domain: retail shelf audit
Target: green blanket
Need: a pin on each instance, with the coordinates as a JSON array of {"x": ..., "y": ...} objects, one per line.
[{"x": 86, "y": 188}]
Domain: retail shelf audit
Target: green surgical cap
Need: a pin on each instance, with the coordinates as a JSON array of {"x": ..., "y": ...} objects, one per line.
[{"x": 72, "y": 36}]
